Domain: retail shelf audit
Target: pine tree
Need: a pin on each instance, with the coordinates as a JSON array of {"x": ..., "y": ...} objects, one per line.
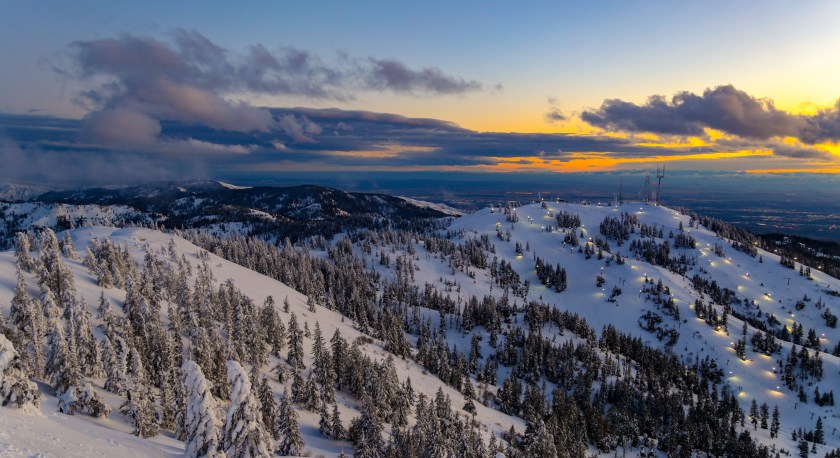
[
  {"x": 366, "y": 431},
  {"x": 244, "y": 434},
  {"x": 339, "y": 356},
  {"x": 67, "y": 248},
  {"x": 337, "y": 430},
  {"x": 16, "y": 390},
  {"x": 290, "y": 442},
  {"x": 765, "y": 413},
  {"x": 539, "y": 441},
  {"x": 295, "y": 337},
  {"x": 115, "y": 354},
  {"x": 23, "y": 252},
  {"x": 273, "y": 328},
  {"x": 324, "y": 426},
  {"x": 268, "y": 406},
  {"x": 63, "y": 368},
  {"x": 27, "y": 318},
  {"x": 53, "y": 273},
  {"x": 754, "y": 414},
  {"x": 819, "y": 435},
  {"x": 200, "y": 424},
  {"x": 775, "y": 424},
  {"x": 139, "y": 404}
]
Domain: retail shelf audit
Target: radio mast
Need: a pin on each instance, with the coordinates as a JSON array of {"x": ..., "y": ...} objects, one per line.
[{"x": 660, "y": 174}]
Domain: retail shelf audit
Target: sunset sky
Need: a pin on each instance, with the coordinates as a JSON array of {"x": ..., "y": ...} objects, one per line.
[{"x": 495, "y": 86}]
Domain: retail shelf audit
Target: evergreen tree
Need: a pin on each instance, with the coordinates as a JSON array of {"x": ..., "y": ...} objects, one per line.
[
  {"x": 23, "y": 253},
  {"x": 115, "y": 354},
  {"x": 819, "y": 435},
  {"x": 67, "y": 248},
  {"x": 139, "y": 402},
  {"x": 53, "y": 273},
  {"x": 339, "y": 356},
  {"x": 324, "y": 426},
  {"x": 337, "y": 430},
  {"x": 295, "y": 337},
  {"x": 16, "y": 390},
  {"x": 268, "y": 406},
  {"x": 244, "y": 434},
  {"x": 201, "y": 426},
  {"x": 775, "y": 424},
  {"x": 27, "y": 318},
  {"x": 63, "y": 367},
  {"x": 539, "y": 442},
  {"x": 366, "y": 432},
  {"x": 765, "y": 413},
  {"x": 290, "y": 442}
]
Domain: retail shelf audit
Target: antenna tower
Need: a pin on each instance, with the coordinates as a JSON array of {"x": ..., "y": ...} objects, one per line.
[
  {"x": 647, "y": 189},
  {"x": 660, "y": 174},
  {"x": 621, "y": 190}
]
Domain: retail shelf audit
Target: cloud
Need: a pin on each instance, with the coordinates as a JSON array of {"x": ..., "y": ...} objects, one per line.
[
  {"x": 332, "y": 139},
  {"x": 120, "y": 126},
  {"x": 723, "y": 108},
  {"x": 191, "y": 79},
  {"x": 824, "y": 126},
  {"x": 395, "y": 76},
  {"x": 82, "y": 166},
  {"x": 300, "y": 128},
  {"x": 554, "y": 115}
]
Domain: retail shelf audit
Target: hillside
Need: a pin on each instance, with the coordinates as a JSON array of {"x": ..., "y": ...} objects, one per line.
[
  {"x": 55, "y": 434},
  {"x": 630, "y": 324}
]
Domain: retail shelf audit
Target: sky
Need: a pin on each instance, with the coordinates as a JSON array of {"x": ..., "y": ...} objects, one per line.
[{"x": 163, "y": 89}]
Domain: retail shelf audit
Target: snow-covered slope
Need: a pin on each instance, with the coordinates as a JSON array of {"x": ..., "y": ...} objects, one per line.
[
  {"x": 55, "y": 434},
  {"x": 762, "y": 288},
  {"x": 652, "y": 300},
  {"x": 760, "y": 280}
]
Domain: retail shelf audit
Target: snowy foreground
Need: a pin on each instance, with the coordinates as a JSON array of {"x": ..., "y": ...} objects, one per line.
[
  {"x": 50, "y": 433},
  {"x": 617, "y": 294}
]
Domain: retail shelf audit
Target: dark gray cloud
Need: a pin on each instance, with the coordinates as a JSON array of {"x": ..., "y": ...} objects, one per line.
[
  {"x": 554, "y": 115},
  {"x": 190, "y": 79},
  {"x": 723, "y": 108},
  {"x": 389, "y": 74},
  {"x": 823, "y": 126}
]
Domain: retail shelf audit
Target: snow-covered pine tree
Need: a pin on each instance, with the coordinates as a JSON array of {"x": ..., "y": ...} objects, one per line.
[
  {"x": 67, "y": 247},
  {"x": 290, "y": 442},
  {"x": 244, "y": 434},
  {"x": 27, "y": 318},
  {"x": 539, "y": 442},
  {"x": 200, "y": 425},
  {"x": 272, "y": 325},
  {"x": 139, "y": 401},
  {"x": 310, "y": 398},
  {"x": 339, "y": 356},
  {"x": 86, "y": 400},
  {"x": 115, "y": 356},
  {"x": 53, "y": 272},
  {"x": 295, "y": 337},
  {"x": 337, "y": 430},
  {"x": 268, "y": 406},
  {"x": 366, "y": 432},
  {"x": 16, "y": 390},
  {"x": 90, "y": 356},
  {"x": 23, "y": 252},
  {"x": 62, "y": 364},
  {"x": 324, "y": 421}
]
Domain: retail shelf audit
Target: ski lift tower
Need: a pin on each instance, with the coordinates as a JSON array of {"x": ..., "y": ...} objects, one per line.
[{"x": 660, "y": 174}]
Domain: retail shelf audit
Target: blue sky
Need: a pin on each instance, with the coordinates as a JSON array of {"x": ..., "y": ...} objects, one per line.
[{"x": 510, "y": 66}]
